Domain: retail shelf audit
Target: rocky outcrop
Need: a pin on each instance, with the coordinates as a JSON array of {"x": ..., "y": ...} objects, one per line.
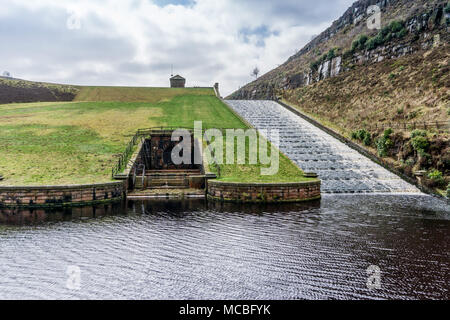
[{"x": 426, "y": 24}]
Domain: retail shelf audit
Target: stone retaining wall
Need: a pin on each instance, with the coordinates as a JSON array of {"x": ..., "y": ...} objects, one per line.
[
  {"x": 264, "y": 192},
  {"x": 48, "y": 196}
]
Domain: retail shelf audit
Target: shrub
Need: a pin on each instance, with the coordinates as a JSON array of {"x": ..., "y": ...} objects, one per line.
[
  {"x": 437, "y": 178},
  {"x": 412, "y": 115},
  {"x": 379, "y": 39},
  {"x": 362, "y": 135},
  {"x": 410, "y": 161},
  {"x": 388, "y": 37},
  {"x": 384, "y": 143},
  {"x": 327, "y": 56},
  {"x": 362, "y": 40},
  {"x": 420, "y": 144},
  {"x": 447, "y": 8},
  {"x": 370, "y": 44},
  {"x": 355, "y": 45},
  {"x": 331, "y": 54},
  {"x": 418, "y": 133},
  {"x": 314, "y": 65},
  {"x": 400, "y": 111},
  {"x": 401, "y": 33},
  {"x": 448, "y": 190},
  {"x": 396, "y": 26},
  {"x": 367, "y": 139},
  {"x": 385, "y": 31}
]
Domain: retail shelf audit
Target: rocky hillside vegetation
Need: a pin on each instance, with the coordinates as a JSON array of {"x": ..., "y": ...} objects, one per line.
[{"x": 387, "y": 89}]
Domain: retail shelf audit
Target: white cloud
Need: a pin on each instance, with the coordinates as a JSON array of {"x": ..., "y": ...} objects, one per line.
[{"x": 134, "y": 42}]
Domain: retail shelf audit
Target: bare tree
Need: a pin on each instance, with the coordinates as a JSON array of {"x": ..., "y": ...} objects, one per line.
[{"x": 255, "y": 72}]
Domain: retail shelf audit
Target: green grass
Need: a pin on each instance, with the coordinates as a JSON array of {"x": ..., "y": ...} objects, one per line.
[
  {"x": 137, "y": 94},
  {"x": 79, "y": 142},
  {"x": 288, "y": 172}
]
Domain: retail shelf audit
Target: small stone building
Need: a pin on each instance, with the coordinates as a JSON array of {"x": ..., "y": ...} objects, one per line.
[{"x": 177, "y": 82}]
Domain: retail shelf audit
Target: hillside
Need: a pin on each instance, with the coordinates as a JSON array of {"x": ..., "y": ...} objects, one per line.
[
  {"x": 407, "y": 27},
  {"x": 387, "y": 90},
  {"x": 15, "y": 91}
]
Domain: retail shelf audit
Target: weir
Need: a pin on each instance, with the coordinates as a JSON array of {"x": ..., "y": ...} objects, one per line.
[{"x": 341, "y": 168}]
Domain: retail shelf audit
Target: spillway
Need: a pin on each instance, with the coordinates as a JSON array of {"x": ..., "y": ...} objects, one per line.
[{"x": 341, "y": 168}]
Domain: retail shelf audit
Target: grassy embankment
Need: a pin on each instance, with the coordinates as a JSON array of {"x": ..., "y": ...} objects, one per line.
[{"x": 79, "y": 141}]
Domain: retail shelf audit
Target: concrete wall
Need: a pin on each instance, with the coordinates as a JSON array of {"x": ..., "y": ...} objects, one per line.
[
  {"x": 47, "y": 196},
  {"x": 263, "y": 192}
]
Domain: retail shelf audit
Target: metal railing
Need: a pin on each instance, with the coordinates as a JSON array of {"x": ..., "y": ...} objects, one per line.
[
  {"x": 150, "y": 130},
  {"x": 124, "y": 158},
  {"x": 215, "y": 163},
  {"x": 440, "y": 125}
]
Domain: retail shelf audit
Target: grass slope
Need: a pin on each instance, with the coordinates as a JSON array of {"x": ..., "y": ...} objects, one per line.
[
  {"x": 137, "y": 94},
  {"x": 78, "y": 142}
]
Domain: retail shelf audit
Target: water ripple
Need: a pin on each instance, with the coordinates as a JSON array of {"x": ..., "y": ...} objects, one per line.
[{"x": 321, "y": 250}]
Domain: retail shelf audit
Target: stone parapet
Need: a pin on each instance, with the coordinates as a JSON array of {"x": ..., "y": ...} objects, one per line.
[
  {"x": 66, "y": 195},
  {"x": 264, "y": 192}
]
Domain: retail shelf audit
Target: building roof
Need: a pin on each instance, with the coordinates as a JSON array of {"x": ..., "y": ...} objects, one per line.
[{"x": 177, "y": 77}]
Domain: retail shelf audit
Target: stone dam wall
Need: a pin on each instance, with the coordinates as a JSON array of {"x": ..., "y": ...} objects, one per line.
[
  {"x": 51, "y": 196},
  {"x": 263, "y": 192}
]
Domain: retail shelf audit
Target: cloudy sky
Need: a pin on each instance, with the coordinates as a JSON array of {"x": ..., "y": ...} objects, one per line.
[{"x": 135, "y": 42}]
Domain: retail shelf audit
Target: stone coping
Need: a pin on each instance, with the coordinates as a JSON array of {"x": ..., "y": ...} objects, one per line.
[
  {"x": 263, "y": 184},
  {"x": 63, "y": 187}
]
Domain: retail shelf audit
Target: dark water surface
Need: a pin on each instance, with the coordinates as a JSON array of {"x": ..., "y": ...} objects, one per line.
[{"x": 194, "y": 250}]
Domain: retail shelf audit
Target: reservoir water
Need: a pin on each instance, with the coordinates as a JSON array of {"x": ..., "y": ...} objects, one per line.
[{"x": 198, "y": 250}]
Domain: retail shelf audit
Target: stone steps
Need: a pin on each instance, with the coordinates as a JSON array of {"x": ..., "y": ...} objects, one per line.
[
  {"x": 170, "y": 193},
  {"x": 166, "y": 179}
]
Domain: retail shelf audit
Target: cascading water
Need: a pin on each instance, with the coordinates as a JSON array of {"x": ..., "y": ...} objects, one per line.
[{"x": 341, "y": 169}]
